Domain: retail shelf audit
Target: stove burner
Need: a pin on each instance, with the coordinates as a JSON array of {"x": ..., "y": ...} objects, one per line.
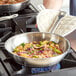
[
  {"x": 36, "y": 70},
  {"x": 45, "y": 69}
]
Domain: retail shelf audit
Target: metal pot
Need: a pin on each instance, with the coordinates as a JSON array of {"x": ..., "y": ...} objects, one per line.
[
  {"x": 14, "y": 41},
  {"x": 13, "y": 7}
]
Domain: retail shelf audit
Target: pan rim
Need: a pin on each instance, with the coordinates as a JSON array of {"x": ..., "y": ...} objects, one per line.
[
  {"x": 15, "y": 3},
  {"x": 34, "y": 33}
]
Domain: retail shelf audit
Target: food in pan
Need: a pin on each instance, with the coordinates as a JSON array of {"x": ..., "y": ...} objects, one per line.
[
  {"x": 2, "y": 2},
  {"x": 38, "y": 49}
]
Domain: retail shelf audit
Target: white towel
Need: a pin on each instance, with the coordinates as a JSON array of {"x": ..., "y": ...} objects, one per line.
[
  {"x": 46, "y": 19},
  {"x": 66, "y": 25}
]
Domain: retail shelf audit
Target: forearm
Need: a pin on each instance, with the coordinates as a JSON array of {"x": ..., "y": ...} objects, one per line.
[{"x": 53, "y": 4}]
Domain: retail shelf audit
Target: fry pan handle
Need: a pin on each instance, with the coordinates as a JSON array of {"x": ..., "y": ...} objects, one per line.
[{"x": 8, "y": 17}]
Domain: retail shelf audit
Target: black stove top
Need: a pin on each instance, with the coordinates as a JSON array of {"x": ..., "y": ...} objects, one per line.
[{"x": 25, "y": 22}]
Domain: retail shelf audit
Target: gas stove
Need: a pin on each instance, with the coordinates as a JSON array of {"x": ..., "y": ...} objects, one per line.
[
  {"x": 25, "y": 22},
  {"x": 8, "y": 67}
]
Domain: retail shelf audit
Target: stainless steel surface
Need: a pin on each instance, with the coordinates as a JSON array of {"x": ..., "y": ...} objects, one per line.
[
  {"x": 13, "y": 7},
  {"x": 8, "y": 17},
  {"x": 14, "y": 41}
]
